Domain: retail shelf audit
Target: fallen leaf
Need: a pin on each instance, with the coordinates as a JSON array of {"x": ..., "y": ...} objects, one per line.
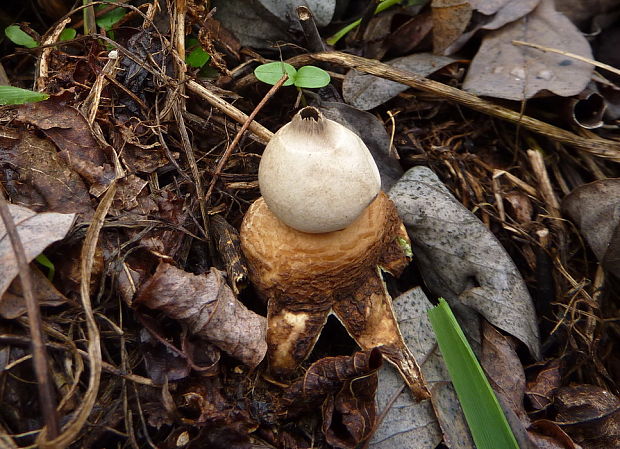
[
  {"x": 349, "y": 417},
  {"x": 71, "y": 133},
  {"x": 540, "y": 390},
  {"x": 161, "y": 363},
  {"x": 322, "y": 10},
  {"x": 450, "y": 18},
  {"x": 409, "y": 35},
  {"x": 207, "y": 306},
  {"x": 590, "y": 415},
  {"x": 503, "y": 11},
  {"x": 595, "y": 209},
  {"x": 372, "y": 131},
  {"x": 503, "y": 70},
  {"x": 407, "y": 422},
  {"x": 368, "y": 91},
  {"x": 36, "y": 231},
  {"x": 35, "y": 176},
  {"x": 580, "y": 11},
  {"x": 460, "y": 259},
  {"x": 261, "y": 23},
  {"x": 326, "y": 377},
  {"x": 13, "y": 304},
  {"x": 251, "y": 24}
]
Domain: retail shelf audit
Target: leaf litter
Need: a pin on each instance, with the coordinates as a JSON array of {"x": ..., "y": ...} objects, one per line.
[{"x": 122, "y": 148}]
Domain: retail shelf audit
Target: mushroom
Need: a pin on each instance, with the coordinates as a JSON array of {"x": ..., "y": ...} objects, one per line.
[
  {"x": 318, "y": 246},
  {"x": 316, "y": 175}
]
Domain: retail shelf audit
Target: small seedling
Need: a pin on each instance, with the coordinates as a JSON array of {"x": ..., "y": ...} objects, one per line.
[
  {"x": 309, "y": 76},
  {"x": 45, "y": 262},
  {"x": 109, "y": 19},
  {"x": 196, "y": 56},
  {"x": 20, "y": 37}
]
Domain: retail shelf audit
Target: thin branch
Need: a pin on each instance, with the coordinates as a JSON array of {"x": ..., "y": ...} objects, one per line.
[
  {"x": 47, "y": 400},
  {"x": 259, "y": 130},
  {"x": 569, "y": 55},
  {"x": 237, "y": 138},
  {"x": 604, "y": 148}
]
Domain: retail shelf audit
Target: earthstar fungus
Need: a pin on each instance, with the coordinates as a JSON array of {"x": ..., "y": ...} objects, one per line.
[{"x": 332, "y": 263}]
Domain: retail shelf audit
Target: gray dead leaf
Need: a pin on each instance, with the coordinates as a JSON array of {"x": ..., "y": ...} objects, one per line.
[
  {"x": 503, "y": 70},
  {"x": 460, "y": 259},
  {"x": 261, "y": 23},
  {"x": 36, "y": 231},
  {"x": 368, "y": 91},
  {"x": 497, "y": 13},
  {"x": 595, "y": 209},
  {"x": 503, "y": 11},
  {"x": 209, "y": 308},
  {"x": 372, "y": 132},
  {"x": 410, "y": 424},
  {"x": 323, "y": 10},
  {"x": 252, "y": 24}
]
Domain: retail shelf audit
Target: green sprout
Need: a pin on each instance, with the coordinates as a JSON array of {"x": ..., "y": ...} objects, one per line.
[
  {"x": 196, "y": 56},
  {"x": 20, "y": 37},
  {"x": 45, "y": 262},
  {"x": 309, "y": 76},
  {"x": 23, "y": 39},
  {"x": 109, "y": 19}
]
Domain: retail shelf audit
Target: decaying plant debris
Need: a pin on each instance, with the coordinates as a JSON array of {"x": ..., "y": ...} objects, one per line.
[{"x": 133, "y": 180}]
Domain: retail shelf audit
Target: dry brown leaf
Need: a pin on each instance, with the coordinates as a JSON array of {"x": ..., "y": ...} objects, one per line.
[
  {"x": 326, "y": 377},
  {"x": 461, "y": 259},
  {"x": 13, "y": 304},
  {"x": 590, "y": 415},
  {"x": 540, "y": 390},
  {"x": 450, "y": 18},
  {"x": 349, "y": 417},
  {"x": 207, "y": 306},
  {"x": 36, "y": 177},
  {"x": 503, "y": 70},
  {"x": 71, "y": 133},
  {"x": 36, "y": 231}
]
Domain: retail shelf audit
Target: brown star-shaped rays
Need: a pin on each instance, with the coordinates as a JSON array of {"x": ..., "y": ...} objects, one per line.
[{"x": 305, "y": 277}]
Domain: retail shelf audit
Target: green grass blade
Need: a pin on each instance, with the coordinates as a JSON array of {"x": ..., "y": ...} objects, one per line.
[
  {"x": 16, "y": 95},
  {"x": 484, "y": 415}
]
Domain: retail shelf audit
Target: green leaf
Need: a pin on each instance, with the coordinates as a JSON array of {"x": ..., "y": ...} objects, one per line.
[
  {"x": 197, "y": 58},
  {"x": 15, "y": 95},
  {"x": 19, "y": 37},
  {"x": 310, "y": 76},
  {"x": 51, "y": 269},
  {"x": 68, "y": 34},
  {"x": 109, "y": 19},
  {"x": 272, "y": 72},
  {"x": 486, "y": 420}
]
